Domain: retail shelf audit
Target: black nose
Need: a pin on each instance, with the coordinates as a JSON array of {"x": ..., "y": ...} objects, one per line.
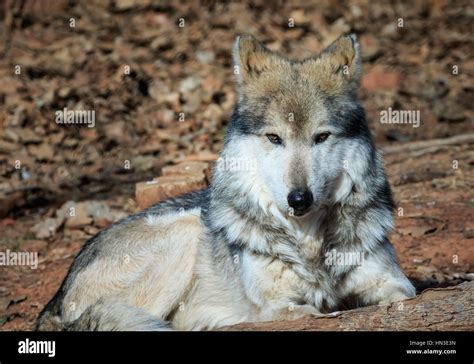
[{"x": 300, "y": 200}]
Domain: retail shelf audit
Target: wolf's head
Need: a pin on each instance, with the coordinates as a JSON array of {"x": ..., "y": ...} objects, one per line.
[{"x": 302, "y": 125}]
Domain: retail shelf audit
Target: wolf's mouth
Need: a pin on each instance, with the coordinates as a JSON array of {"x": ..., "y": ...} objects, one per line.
[{"x": 301, "y": 213}]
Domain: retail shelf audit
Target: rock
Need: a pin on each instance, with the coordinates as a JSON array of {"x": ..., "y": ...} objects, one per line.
[
  {"x": 205, "y": 57},
  {"x": 299, "y": 17},
  {"x": 143, "y": 163},
  {"x": 212, "y": 83},
  {"x": 87, "y": 212},
  {"x": 8, "y": 147},
  {"x": 97, "y": 210},
  {"x": 91, "y": 230},
  {"x": 312, "y": 44},
  {"x": 47, "y": 228},
  {"x": 151, "y": 146},
  {"x": 79, "y": 216},
  {"x": 173, "y": 99},
  {"x": 162, "y": 188},
  {"x": 102, "y": 214},
  {"x": 294, "y": 34},
  {"x": 167, "y": 135},
  {"x": 185, "y": 168},
  {"x": 19, "y": 117},
  {"x": 124, "y": 5},
  {"x": 28, "y": 136},
  {"x": 166, "y": 116},
  {"x": 191, "y": 94},
  {"x": 214, "y": 113},
  {"x": 192, "y": 102},
  {"x": 391, "y": 30},
  {"x": 147, "y": 193},
  {"x": 161, "y": 42},
  {"x": 204, "y": 156},
  {"x": 75, "y": 234},
  {"x": 11, "y": 134},
  {"x": 64, "y": 211},
  {"x": 89, "y": 134},
  {"x": 158, "y": 90},
  {"x": 189, "y": 84},
  {"x": 117, "y": 132},
  {"x": 65, "y": 92}
]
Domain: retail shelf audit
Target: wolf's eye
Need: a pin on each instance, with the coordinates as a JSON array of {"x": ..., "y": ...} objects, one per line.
[
  {"x": 321, "y": 137},
  {"x": 275, "y": 139}
]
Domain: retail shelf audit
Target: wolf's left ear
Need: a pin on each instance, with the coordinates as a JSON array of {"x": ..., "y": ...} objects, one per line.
[
  {"x": 251, "y": 58},
  {"x": 339, "y": 65}
]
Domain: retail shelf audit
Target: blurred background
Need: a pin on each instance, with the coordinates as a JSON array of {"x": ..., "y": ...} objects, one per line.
[{"x": 159, "y": 77}]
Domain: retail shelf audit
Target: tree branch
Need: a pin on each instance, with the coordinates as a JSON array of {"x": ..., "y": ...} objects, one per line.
[{"x": 449, "y": 308}]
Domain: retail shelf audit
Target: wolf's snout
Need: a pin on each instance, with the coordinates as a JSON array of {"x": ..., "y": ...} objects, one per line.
[{"x": 300, "y": 201}]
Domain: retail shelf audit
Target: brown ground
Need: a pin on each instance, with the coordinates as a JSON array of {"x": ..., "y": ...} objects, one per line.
[{"x": 188, "y": 70}]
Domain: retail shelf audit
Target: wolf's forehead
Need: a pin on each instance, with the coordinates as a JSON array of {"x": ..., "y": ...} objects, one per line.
[{"x": 299, "y": 105}]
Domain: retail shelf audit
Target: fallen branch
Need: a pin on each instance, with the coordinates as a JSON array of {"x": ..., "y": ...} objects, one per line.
[
  {"x": 449, "y": 308},
  {"x": 426, "y": 144}
]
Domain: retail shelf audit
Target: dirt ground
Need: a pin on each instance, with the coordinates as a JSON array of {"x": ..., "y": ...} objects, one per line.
[{"x": 77, "y": 54}]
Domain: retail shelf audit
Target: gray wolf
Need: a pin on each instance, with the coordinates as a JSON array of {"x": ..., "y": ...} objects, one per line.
[{"x": 269, "y": 239}]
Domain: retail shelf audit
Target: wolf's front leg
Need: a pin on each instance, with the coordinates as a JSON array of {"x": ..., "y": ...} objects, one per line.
[
  {"x": 288, "y": 312},
  {"x": 388, "y": 291},
  {"x": 378, "y": 280}
]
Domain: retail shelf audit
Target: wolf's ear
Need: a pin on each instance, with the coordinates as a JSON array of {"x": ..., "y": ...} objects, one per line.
[
  {"x": 251, "y": 58},
  {"x": 339, "y": 65}
]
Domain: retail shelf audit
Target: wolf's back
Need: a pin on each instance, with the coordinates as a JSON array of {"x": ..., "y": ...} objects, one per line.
[{"x": 150, "y": 237}]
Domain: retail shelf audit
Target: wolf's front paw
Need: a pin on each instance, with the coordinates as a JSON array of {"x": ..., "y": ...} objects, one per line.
[
  {"x": 395, "y": 297},
  {"x": 289, "y": 312},
  {"x": 296, "y": 312},
  {"x": 396, "y": 293}
]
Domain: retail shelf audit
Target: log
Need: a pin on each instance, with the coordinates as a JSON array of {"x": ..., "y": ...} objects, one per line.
[
  {"x": 429, "y": 144},
  {"x": 444, "y": 309}
]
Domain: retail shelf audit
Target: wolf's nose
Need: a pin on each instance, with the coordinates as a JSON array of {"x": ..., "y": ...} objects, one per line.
[{"x": 300, "y": 200}]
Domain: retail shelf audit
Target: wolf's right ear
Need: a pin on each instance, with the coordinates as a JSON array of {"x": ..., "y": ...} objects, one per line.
[
  {"x": 338, "y": 67},
  {"x": 251, "y": 58}
]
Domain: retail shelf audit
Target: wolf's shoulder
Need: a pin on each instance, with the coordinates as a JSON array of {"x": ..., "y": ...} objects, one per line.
[{"x": 106, "y": 241}]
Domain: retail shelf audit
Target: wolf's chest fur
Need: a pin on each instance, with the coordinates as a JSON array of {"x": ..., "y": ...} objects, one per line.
[
  {"x": 281, "y": 264},
  {"x": 275, "y": 272}
]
